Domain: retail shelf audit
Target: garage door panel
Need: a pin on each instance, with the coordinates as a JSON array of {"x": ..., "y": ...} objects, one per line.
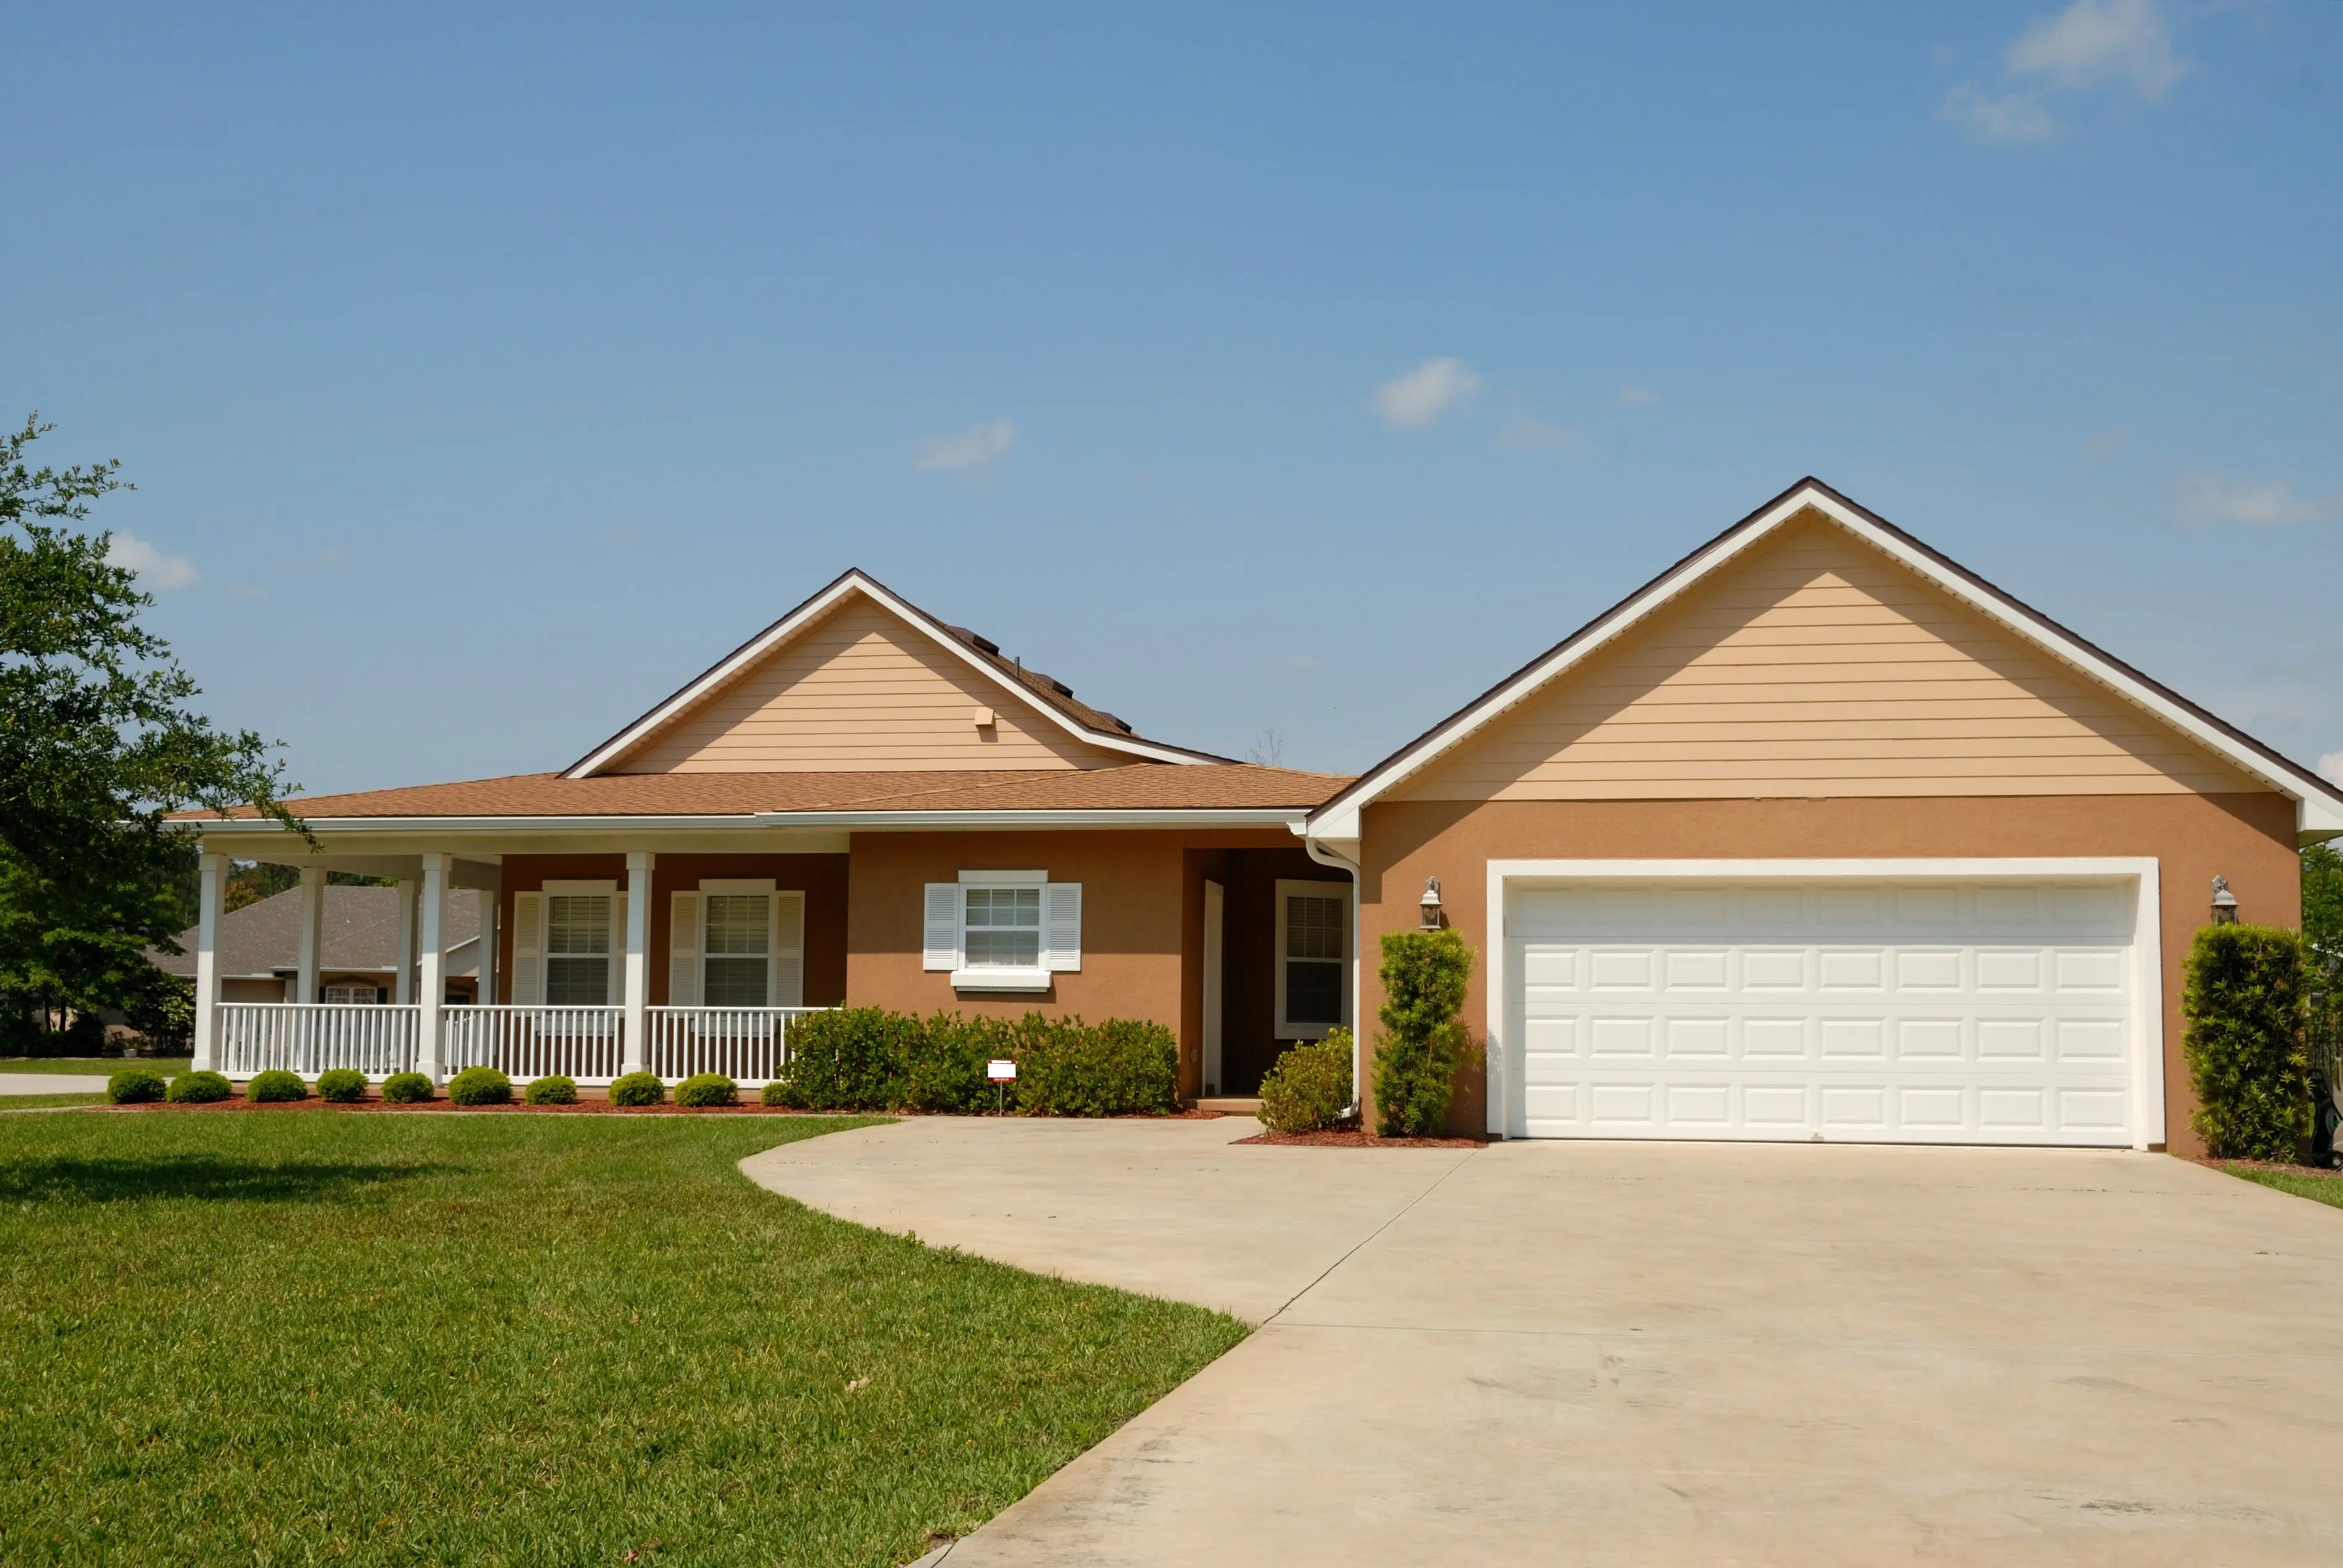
[{"x": 1967, "y": 1011}]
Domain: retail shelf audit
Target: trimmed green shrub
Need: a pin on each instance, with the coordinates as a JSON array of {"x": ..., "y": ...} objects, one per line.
[
  {"x": 705, "y": 1089},
  {"x": 342, "y": 1085},
  {"x": 637, "y": 1088},
  {"x": 479, "y": 1086},
  {"x": 1310, "y": 1086},
  {"x": 1123, "y": 1067},
  {"x": 134, "y": 1086},
  {"x": 275, "y": 1087},
  {"x": 2247, "y": 1059},
  {"x": 775, "y": 1095},
  {"x": 407, "y": 1088},
  {"x": 851, "y": 1058},
  {"x": 198, "y": 1088},
  {"x": 944, "y": 1073},
  {"x": 557, "y": 1089},
  {"x": 1422, "y": 1042}
]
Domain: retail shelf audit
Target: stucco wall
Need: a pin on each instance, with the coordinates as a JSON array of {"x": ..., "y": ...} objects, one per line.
[{"x": 2249, "y": 838}]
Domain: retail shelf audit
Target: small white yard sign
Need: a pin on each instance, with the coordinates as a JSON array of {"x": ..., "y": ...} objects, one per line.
[{"x": 1000, "y": 1071}]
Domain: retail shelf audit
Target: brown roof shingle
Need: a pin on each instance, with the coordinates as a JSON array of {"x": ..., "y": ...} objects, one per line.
[{"x": 1139, "y": 787}]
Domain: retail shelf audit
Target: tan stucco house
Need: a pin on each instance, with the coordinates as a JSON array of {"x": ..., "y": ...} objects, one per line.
[{"x": 1814, "y": 836}]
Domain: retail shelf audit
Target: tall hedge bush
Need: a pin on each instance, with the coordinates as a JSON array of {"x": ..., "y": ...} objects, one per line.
[
  {"x": 1423, "y": 1042},
  {"x": 867, "y": 1059},
  {"x": 2245, "y": 1043},
  {"x": 1123, "y": 1067}
]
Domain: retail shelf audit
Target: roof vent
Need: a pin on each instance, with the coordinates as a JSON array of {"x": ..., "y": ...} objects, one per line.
[
  {"x": 982, "y": 644},
  {"x": 1060, "y": 687}
]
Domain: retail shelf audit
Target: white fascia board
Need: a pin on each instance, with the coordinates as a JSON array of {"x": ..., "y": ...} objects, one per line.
[
  {"x": 1342, "y": 819},
  {"x": 1288, "y": 817},
  {"x": 814, "y": 608}
]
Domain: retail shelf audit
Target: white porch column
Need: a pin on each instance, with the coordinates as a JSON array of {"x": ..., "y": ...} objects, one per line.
[
  {"x": 211, "y": 881},
  {"x": 638, "y": 959},
  {"x": 485, "y": 994},
  {"x": 431, "y": 978},
  {"x": 313, "y": 932},
  {"x": 403, "y": 991}
]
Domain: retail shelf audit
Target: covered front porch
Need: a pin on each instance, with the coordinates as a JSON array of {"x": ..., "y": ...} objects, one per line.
[{"x": 591, "y": 966}]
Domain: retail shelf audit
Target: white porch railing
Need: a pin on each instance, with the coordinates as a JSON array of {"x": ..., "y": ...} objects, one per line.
[
  {"x": 312, "y": 1037},
  {"x": 746, "y": 1044},
  {"x": 587, "y": 1043}
]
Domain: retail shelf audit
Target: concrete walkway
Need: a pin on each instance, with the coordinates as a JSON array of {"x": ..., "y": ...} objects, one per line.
[
  {"x": 50, "y": 1083},
  {"x": 1631, "y": 1353}
]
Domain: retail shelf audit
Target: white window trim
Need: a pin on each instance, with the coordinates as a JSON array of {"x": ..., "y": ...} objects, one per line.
[
  {"x": 1038, "y": 977},
  {"x": 736, "y": 887},
  {"x": 604, "y": 886},
  {"x": 1340, "y": 891}
]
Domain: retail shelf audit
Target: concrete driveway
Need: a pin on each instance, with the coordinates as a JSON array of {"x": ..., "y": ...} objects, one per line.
[
  {"x": 50, "y": 1083},
  {"x": 1660, "y": 1354}
]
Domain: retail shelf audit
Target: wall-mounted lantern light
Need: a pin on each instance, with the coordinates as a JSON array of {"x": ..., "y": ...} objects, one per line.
[
  {"x": 1430, "y": 903},
  {"x": 2224, "y": 903}
]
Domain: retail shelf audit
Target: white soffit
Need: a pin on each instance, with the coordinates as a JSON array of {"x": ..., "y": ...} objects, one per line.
[
  {"x": 2320, "y": 806},
  {"x": 852, "y": 583}
]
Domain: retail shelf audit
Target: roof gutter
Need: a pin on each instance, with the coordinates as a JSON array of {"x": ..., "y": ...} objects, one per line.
[{"x": 1287, "y": 817}]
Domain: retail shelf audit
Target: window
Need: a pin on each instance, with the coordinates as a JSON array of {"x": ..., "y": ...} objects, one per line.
[
  {"x": 739, "y": 949},
  {"x": 1004, "y": 931},
  {"x": 1313, "y": 957},
  {"x": 1003, "y": 928},
  {"x": 578, "y": 949},
  {"x": 354, "y": 994}
]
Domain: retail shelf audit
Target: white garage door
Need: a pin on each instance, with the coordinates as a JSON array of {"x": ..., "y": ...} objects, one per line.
[{"x": 1977, "y": 1011}]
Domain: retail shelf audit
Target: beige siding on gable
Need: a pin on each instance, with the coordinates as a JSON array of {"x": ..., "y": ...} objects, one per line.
[
  {"x": 859, "y": 692},
  {"x": 1817, "y": 667}
]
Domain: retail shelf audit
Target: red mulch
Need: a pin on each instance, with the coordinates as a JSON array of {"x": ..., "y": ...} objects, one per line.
[
  {"x": 2285, "y": 1170},
  {"x": 1356, "y": 1139},
  {"x": 596, "y": 1107}
]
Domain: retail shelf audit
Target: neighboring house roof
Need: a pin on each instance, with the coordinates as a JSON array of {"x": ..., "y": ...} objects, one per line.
[
  {"x": 263, "y": 940},
  {"x": 1135, "y": 786},
  {"x": 1049, "y": 696},
  {"x": 2320, "y": 804}
]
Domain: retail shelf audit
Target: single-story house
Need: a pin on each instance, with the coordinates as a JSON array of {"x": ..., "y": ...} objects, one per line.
[
  {"x": 363, "y": 952},
  {"x": 1814, "y": 836}
]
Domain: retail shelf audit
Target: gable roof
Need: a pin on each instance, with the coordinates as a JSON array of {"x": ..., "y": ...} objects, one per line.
[
  {"x": 2318, "y": 804},
  {"x": 1052, "y": 699}
]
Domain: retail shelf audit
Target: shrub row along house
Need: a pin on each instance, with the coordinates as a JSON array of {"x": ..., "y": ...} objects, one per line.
[{"x": 1815, "y": 836}]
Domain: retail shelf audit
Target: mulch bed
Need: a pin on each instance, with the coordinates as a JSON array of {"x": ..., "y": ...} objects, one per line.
[
  {"x": 2283, "y": 1170},
  {"x": 596, "y": 1107},
  {"x": 1356, "y": 1139}
]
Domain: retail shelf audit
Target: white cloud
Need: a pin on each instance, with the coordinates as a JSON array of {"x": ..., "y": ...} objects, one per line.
[
  {"x": 1523, "y": 434},
  {"x": 1426, "y": 393},
  {"x": 2011, "y": 117},
  {"x": 2330, "y": 767},
  {"x": 2251, "y": 503},
  {"x": 156, "y": 572},
  {"x": 1633, "y": 397},
  {"x": 2093, "y": 41},
  {"x": 973, "y": 447}
]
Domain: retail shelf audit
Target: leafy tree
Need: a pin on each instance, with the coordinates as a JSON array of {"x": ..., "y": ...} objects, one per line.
[
  {"x": 1423, "y": 1042},
  {"x": 2322, "y": 955},
  {"x": 97, "y": 746},
  {"x": 2243, "y": 1000}
]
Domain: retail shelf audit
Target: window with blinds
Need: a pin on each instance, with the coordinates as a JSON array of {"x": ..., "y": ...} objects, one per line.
[
  {"x": 1314, "y": 958},
  {"x": 1001, "y": 928},
  {"x": 576, "y": 950},
  {"x": 738, "y": 954}
]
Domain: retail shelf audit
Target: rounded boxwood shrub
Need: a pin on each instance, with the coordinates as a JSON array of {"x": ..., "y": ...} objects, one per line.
[
  {"x": 1310, "y": 1087},
  {"x": 198, "y": 1088},
  {"x": 637, "y": 1088},
  {"x": 775, "y": 1094},
  {"x": 407, "y": 1089},
  {"x": 275, "y": 1087},
  {"x": 554, "y": 1090},
  {"x": 708, "y": 1089},
  {"x": 342, "y": 1085},
  {"x": 479, "y": 1086},
  {"x": 134, "y": 1086}
]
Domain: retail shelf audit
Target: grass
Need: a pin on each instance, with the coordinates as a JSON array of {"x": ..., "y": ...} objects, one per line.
[
  {"x": 98, "y": 1066},
  {"x": 308, "y": 1337},
  {"x": 47, "y": 1102},
  {"x": 2302, "y": 1183}
]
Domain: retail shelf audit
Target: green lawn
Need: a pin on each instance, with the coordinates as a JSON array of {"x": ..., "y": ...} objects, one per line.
[
  {"x": 2302, "y": 1184},
  {"x": 309, "y": 1337},
  {"x": 101, "y": 1065},
  {"x": 47, "y": 1102}
]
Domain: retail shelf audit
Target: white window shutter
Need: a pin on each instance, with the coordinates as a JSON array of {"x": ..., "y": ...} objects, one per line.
[
  {"x": 788, "y": 987},
  {"x": 617, "y": 948},
  {"x": 683, "y": 951},
  {"x": 941, "y": 948},
  {"x": 1061, "y": 923},
  {"x": 528, "y": 950}
]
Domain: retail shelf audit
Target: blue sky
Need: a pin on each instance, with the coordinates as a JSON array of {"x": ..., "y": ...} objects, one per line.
[{"x": 486, "y": 374}]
